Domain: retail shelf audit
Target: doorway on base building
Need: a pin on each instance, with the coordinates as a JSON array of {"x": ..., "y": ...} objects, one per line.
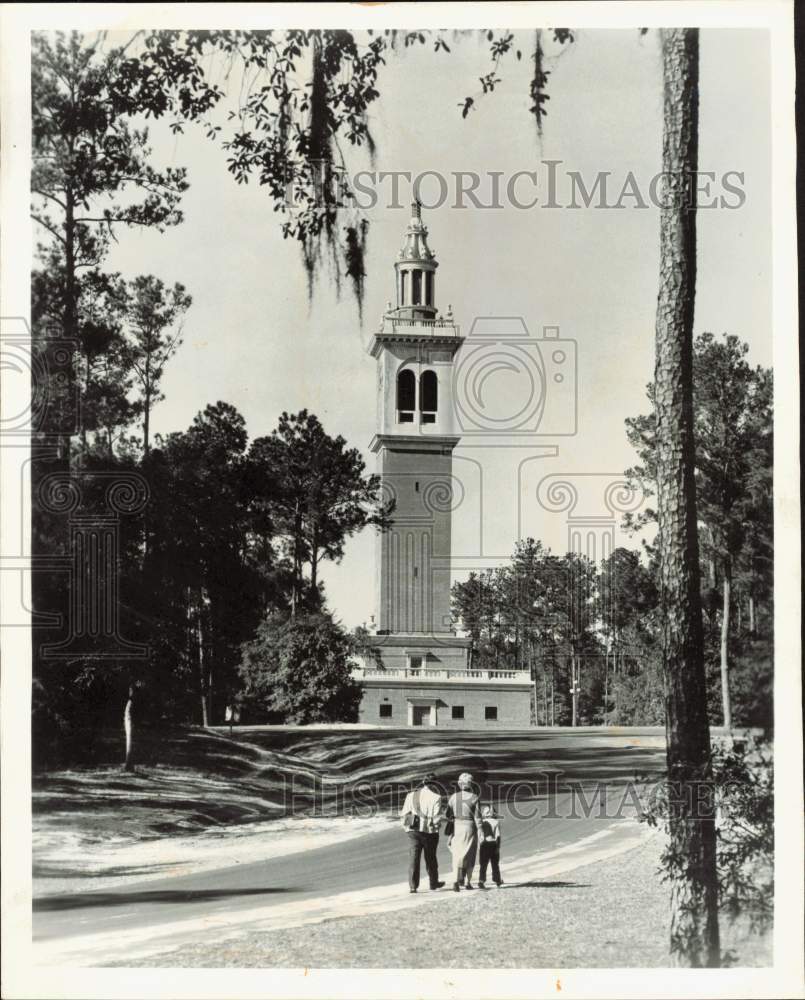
[
  {"x": 422, "y": 712},
  {"x": 421, "y": 715}
]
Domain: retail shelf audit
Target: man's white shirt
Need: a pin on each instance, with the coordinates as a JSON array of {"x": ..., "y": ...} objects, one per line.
[{"x": 425, "y": 804}]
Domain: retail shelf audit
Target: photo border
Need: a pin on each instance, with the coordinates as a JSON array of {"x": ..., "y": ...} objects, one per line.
[{"x": 19, "y": 977}]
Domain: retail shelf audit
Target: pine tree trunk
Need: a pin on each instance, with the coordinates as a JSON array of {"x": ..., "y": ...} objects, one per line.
[
  {"x": 147, "y": 422},
  {"x": 314, "y": 568},
  {"x": 146, "y": 450},
  {"x": 211, "y": 660},
  {"x": 694, "y": 895},
  {"x": 70, "y": 308},
  {"x": 297, "y": 562},
  {"x": 725, "y": 635},
  {"x": 201, "y": 666},
  {"x": 573, "y": 687},
  {"x": 128, "y": 728},
  {"x": 85, "y": 387}
]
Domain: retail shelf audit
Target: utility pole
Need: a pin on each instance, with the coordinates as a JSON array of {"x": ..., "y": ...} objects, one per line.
[{"x": 574, "y": 691}]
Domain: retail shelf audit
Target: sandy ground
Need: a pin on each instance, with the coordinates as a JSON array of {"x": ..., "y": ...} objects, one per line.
[
  {"x": 609, "y": 914},
  {"x": 343, "y": 880}
]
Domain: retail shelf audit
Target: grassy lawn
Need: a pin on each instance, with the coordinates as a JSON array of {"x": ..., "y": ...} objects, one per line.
[
  {"x": 190, "y": 780},
  {"x": 609, "y": 914},
  {"x": 101, "y": 821}
]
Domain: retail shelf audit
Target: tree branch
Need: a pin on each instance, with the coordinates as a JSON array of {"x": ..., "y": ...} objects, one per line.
[{"x": 49, "y": 228}]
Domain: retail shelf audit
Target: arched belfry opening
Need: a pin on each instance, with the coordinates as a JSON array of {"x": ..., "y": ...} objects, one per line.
[
  {"x": 428, "y": 396},
  {"x": 406, "y": 396}
]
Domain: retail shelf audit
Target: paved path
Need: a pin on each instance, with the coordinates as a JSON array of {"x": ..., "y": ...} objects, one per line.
[{"x": 91, "y": 927}]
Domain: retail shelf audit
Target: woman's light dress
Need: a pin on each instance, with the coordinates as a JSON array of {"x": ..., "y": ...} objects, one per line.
[{"x": 463, "y": 807}]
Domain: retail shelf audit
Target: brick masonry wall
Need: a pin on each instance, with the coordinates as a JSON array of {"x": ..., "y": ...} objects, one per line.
[
  {"x": 414, "y": 554},
  {"x": 513, "y": 705}
]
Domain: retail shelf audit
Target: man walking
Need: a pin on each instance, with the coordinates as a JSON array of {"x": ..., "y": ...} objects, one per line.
[{"x": 421, "y": 817}]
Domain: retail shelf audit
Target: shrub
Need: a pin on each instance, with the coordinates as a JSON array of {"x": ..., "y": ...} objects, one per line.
[
  {"x": 743, "y": 782},
  {"x": 301, "y": 669}
]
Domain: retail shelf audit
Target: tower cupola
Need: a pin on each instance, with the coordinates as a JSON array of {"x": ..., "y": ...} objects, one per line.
[{"x": 416, "y": 271}]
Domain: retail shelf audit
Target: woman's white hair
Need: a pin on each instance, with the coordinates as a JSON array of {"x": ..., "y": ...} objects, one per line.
[{"x": 464, "y": 779}]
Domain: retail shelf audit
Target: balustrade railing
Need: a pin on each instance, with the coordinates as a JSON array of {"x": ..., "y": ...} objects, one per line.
[
  {"x": 428, "y": 674},
  {"x": 442, "y": 325}
]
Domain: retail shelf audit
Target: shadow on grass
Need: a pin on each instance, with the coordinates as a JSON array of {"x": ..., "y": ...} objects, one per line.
[
  {"x": 44, "y": 871},
  {"x": 82, "y": 900}
]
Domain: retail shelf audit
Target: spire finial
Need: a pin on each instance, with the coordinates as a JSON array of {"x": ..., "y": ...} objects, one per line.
[{"x": 416, "y": 208}]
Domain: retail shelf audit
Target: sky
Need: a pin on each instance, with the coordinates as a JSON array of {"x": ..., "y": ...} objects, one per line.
[{"x": 254, "y": 340}]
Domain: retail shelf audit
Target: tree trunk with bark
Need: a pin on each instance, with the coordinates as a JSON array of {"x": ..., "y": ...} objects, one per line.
[
  {"x": 694, "y": 899},
  {"x": 85, "y": 389},
  {"x": 726, "y": 703},
  {"x": 297, "y": 561},
  {"x": 573, "y": 692},
  {"x": 202, "y": 674},
  {"x": 314, "y": 564},
  {"x": 147, "y": 419},
  {"x": 128, "y": 728},
  {"x": 70, "y": 303}
]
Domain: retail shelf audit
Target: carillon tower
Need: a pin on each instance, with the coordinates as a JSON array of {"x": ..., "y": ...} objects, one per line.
[
  {"x": 416, "y": 670},
  {"x": 415, "y": 350}
]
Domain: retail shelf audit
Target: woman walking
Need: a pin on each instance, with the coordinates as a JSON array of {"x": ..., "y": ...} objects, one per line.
[{"x": 463, "y": 811}]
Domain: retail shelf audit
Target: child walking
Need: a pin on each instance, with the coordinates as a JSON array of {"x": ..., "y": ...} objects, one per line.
[{"x": 490, "y": 846}]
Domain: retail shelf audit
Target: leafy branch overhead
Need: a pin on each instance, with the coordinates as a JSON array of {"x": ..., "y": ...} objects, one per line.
[
  {"x": 302, "y": 100},
  {"x": 501, "y": 45}
]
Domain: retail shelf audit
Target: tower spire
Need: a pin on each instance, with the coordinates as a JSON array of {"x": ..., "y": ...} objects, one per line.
[{"x": 416, "y": 271}]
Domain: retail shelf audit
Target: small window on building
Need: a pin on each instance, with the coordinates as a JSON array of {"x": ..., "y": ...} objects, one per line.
[
  {"x": 385, "y": 711},
  {"x": 429, "y": 288},
  {"x": 403, "y": 288},
  {"x": 428, "y": 396},
  {"x": 458, "y": 711},
  {"x": 416, "y": 288},
  {"x": 406, "y": 396},
  {"x": 491, "y": 713}
]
